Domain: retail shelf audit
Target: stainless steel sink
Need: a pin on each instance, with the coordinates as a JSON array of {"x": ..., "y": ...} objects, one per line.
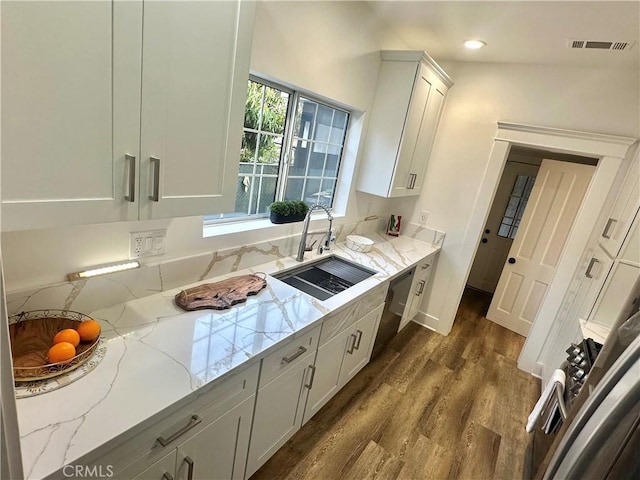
[{"x": 325, "y": 277}]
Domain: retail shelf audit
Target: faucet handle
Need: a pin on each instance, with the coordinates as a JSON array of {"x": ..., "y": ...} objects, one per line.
[{"x": 308, "y": 248}]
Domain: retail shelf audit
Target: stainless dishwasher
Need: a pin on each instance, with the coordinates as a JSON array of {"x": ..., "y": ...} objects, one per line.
[{"x": 394, "y": 306}]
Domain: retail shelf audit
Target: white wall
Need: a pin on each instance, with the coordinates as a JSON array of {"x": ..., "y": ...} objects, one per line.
[
  {"x": 330, "y": 48},
  {"x": 586, "y": 99}
]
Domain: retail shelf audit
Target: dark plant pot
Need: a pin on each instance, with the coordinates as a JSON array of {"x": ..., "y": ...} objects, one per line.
[{"x": 278, "y": 218}]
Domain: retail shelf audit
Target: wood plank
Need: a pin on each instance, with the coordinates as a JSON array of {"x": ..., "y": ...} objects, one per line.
[
  {"x": 476, "y": 455},
  {"x": 426, "y": 460},
  {"x": 374, "y": 462}
]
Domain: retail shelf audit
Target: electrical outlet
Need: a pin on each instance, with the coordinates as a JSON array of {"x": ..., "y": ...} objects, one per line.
[
  {"x": 423, "y": 217},
  {"x": 147, "y": 244}
]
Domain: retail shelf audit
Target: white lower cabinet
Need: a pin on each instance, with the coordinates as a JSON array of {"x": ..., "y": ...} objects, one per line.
[
  {"x": 340, "y": 359},
  {"x": 418, "y": 285},
  {"x": 285, "y": 380},
  {"x": 217, "y": 452}
]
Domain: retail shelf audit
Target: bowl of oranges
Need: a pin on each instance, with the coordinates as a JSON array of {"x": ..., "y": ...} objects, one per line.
[{"x": 48, "y": 343}]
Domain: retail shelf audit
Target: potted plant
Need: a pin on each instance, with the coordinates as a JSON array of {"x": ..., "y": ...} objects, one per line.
[{"x": 288, "y": 211}]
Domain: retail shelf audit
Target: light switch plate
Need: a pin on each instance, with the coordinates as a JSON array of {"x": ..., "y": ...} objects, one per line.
[
  {"x": 147, "y": 244},
  {"x": 422, "y": 219}
]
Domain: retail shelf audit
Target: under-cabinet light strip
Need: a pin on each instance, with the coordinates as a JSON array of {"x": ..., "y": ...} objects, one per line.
[{"x": 118, "y": 267}]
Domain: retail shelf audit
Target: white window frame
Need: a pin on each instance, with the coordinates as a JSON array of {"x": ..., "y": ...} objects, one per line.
[{"x": 284, "y": 164}]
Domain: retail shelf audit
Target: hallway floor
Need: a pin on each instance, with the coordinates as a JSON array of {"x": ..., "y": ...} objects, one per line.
[{"x": 428, "y": 407}]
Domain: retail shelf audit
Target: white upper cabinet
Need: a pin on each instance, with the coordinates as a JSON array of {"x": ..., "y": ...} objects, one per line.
[
  {"x": 623, "y": 211},
  {"x": 194, "y": 85},
  {"x": 77, "y": 147},
  {"x": 405, "y": 115},
  {"x": 70, "y": 112}
]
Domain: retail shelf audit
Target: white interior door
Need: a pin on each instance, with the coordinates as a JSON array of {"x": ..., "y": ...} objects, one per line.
[
  {"x": 554, "y": 202},
  {"x": 511, "y": 199}
]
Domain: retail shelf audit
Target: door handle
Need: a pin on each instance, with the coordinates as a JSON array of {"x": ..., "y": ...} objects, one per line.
[
  {"x": 592, "y": 263},
  {"x": 189, "y": 461},
  {"x": 313, "y": 375},
  {"x": 155, "y": 188},
  {"x": 131, "y": 194},
  {"x": 356, "y": 345},
  {"x": 353, "y": 344},
  {"x": 511, "y": 260},
  {"x": 610, "y": 223}
]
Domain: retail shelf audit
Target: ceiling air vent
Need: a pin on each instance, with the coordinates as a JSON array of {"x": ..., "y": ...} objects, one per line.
[{"x": 600, "y": 45}]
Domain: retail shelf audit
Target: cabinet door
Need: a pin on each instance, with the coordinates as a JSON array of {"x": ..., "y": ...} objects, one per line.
[
  {"x": 423, "y": 271},
  {"x": 195, "y": 72},
  {"x": 623, "y": 211},
  {"x": 70, "y": 112},
  {"x": 163, "y": 469},
  {"x": 279, "y": 412},
  {"x": 326, "y": 378},
  {"x": 419, "y": 133},
  {"x": 219, "y": 451},
  {"x": 359, "y": 352},
  {"x": 615, "y": 294}
]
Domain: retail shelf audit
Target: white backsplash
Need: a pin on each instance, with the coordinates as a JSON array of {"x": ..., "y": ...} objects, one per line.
[{"x": 100, "y": 292}]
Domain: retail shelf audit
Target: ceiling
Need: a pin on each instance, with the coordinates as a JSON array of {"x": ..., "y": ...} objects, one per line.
[{"x": 517, "y": 31}]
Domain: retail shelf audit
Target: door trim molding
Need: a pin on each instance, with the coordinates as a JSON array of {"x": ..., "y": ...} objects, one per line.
[{"x": 611, "y": 151}]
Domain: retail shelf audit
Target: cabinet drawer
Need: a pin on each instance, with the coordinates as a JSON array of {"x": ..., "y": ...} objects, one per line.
[
  {"x": 289, "y": 355},
  {"x": 140, "y": 444},
  {"x": 346, "y": 317}
]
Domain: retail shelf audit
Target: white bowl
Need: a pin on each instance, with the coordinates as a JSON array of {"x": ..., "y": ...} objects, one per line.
[{"x": 359, "y": 244}]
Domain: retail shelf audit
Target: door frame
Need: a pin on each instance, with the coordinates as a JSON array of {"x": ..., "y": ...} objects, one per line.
[{"x": 611, "y": 151}]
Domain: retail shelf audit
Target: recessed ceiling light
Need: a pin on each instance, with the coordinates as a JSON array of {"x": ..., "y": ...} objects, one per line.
[{"x": 474, "y": 44}]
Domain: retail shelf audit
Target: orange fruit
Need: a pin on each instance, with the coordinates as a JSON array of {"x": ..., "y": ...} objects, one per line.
[
  {"x": 68, "y": 335},
  {"x": 88, "y": 330},
  {"x": 61, "y": 352}
]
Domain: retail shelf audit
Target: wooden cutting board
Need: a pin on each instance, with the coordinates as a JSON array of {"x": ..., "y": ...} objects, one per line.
[{"x": 220, "y": 295}]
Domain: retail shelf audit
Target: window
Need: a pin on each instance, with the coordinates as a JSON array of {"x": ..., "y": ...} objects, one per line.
[
  {"x": 515, "y": 208},
  {"x": 291, "y": 150}
]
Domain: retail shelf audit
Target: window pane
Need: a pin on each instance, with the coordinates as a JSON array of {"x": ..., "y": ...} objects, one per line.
[
  {"x": 299, "y": 155},
  {"x": 324, "y": 118},
  {"x": 270, "y": 149},
  {"x": 333, "y": 158},
  {"x": 316, "y": 165},
  {"x": 516, "y": 206},
  {"x": 274, "y": 110},
  {"x": 253, "y": 107},
  {"x": 248, "y": 150},
  {"x": 312, "y": 191},
  {"x": 294, "y": 189}
]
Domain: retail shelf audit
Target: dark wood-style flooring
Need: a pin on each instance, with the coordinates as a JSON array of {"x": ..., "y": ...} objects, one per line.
[{"x": 428, "y": 407}]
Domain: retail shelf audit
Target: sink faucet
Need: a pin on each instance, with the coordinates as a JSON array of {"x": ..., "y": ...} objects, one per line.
[{"x": 326, "y": 245}]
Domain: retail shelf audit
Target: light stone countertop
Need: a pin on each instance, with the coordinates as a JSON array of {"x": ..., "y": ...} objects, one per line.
[{"x": 158, "y": 354}]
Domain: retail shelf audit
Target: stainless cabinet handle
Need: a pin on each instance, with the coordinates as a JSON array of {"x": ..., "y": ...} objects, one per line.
[
  {"x": 131, "y": 194},
  {"x": 193, "y": 421},
  {"x": 167, "y": 476},
  {"x": 189, "y": 461},
  {"x": 607, "y": 229},
  {"x": 155, "y": 189},
  {"x": 313, "y": 375},
  {"x": 290, "y": 359},
  {"x": 353, "y": 344},
  {"x": 425, "y": 266},
  {"x": 421, "y": 283},
  {"x": 412, "y": 181},
  {"x": 592, "y": 263},
  {"x": 356, "y": 346}
]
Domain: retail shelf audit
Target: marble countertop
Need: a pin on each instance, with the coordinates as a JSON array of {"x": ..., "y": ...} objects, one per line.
[{"x": 158, "y": 354}]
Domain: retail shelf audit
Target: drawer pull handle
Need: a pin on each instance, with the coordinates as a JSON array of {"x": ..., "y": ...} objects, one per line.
[
  {"x": 193, "y": 421},
  {"x": 167, "y": 476},
  {"x": 607, "y": 229},
  {"x": 155, "y": 191},
  {"x": 189, "y": 461},
  {"x": 356, "y": 346},
  {"x": 313, "y": 375},
  {"x": 421, "y": 284},
  {"x": 592, "y": 263},
  {"x": 290, "y": 359},
  {"x": 425, "y": 266},
  {"x": 353, "y": 344},
  {"x": 131, "y": 194}
]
